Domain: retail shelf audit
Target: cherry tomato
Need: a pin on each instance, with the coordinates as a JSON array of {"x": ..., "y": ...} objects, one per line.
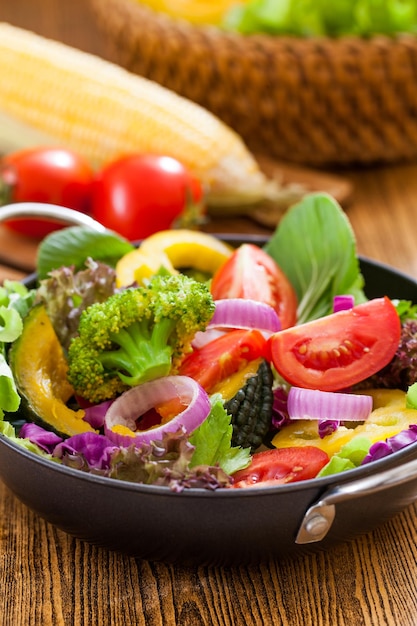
[
  {"x": 223, "y": 356},
  {"x": 138, "y": 195},
  {"x": 338, "y": 350},
  {"x": 252, "y": 273},
  {"x": 51, "y": 175},
  {"x": 281, "y": 466}
]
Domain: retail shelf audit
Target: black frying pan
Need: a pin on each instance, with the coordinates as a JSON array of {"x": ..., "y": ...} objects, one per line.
[{"x": 227, "y": 526}]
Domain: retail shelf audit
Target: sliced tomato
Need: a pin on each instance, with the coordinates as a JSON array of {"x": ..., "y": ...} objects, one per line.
[
  {"x": 252, "y": 273},
  {"x": 338, "y": 350},
  {"x": 281, "y": 466},
  {"x": 223, "y": 356}
]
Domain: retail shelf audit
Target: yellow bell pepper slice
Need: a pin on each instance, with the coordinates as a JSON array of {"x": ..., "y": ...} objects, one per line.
[
  {"x": 388, "y": 417},
  {"x": 188, "y": 249},
  {"x": 137, "y": 266}
]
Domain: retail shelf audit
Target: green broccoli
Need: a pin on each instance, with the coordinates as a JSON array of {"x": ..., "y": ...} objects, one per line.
[{"x": 137, "y": 335}]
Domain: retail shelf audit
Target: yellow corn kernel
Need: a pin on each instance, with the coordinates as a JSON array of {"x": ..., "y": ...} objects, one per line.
[{"x": 53, "y": 93}]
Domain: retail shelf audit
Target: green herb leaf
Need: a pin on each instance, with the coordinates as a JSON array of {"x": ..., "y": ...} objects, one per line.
[
  {"x": 213, "y": 442},
  {"x": 315, "y": 246},
  {"x": 73, "y": 245}
]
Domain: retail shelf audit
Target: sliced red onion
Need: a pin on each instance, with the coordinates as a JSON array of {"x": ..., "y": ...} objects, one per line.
[
  {"x": 203, "y": 337},
  {"x": 244, "y": 313},
  {"x": 343, "y": 303},
  {"x": 312, "y": 404},
  {"x": 232, "y": 313},
  {"x": 133, "y": 403}
]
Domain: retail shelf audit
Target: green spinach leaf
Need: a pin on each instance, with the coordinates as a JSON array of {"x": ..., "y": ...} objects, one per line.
[
  {"x": 73, "y": 245},
  {"x": 315, "y": 246}
]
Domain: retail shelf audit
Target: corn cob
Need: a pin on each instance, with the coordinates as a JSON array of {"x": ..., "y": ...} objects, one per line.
[{"x": 53, "y": 93}]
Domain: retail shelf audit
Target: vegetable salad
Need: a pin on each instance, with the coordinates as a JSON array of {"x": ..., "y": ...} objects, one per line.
[{"x": 188, "y": 363}]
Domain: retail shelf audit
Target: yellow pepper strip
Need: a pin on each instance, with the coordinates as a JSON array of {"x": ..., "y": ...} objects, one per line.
[
  {"x": 229, "y": 387},
  {"x": 389, "y": 417},
  {"x": 188, "y": 249},
  {"x": 136, "y": 266}
]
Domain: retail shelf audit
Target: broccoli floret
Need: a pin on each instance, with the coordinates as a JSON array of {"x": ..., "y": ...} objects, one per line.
[{"x": 137, "y": 335}]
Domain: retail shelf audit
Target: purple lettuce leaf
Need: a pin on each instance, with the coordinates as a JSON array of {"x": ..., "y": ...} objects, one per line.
[
  {"x": 66, "y": 293},
  {"x": 327, "y": 427},
  {"x": 167, "y": 463},
  {"x": 44, "y": 439},
  {"x": 280, "y": 415},
  {"x": 381, "y": 449},
  {"x": 85, "y": 451}
]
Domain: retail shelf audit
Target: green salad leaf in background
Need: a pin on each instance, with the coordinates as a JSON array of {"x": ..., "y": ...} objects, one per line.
[
  {"x": 315, "y": 246},
  {"x": 334, "y": 18}
]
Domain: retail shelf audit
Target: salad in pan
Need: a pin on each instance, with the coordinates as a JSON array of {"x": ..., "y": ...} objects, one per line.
[{"x": 187, "y": 363}]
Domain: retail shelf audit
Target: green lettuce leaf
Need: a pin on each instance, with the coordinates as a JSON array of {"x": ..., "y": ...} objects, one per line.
[
  {"x": 72, "y": 246},
  {"x": 8, "y": 431},
  {"x": 349, "y": 456},
  {"x": 315, "y": 246},
  {"x": 213, "y": 442},
  {"x": 9, "y": 397},
  {"x": 15, "y": 299}
]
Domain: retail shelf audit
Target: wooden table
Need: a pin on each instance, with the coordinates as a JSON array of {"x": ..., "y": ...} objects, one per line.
[{"x": 51, "y": 578}]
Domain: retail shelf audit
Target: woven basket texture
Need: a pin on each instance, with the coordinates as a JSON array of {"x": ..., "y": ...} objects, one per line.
[{"x": 316, "y": 102}]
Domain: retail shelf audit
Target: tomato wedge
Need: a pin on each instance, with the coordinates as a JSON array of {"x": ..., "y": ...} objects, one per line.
[
  {"x": 338, "y": 350},
  {"x": 223, "y": 356},
  {"x": 252, "y": 273},
  {"x": 281, "y": 466}
]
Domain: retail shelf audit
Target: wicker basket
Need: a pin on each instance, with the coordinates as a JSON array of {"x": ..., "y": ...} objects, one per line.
[{"x": 316, "y": 102}]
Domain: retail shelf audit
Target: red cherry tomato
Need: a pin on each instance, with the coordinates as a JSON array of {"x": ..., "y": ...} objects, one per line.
[
  {"x": 138, "y": 195},
  {"x": 252, "y": 273},
  {"x": 223, "y": 356},
  {"x": 339, "y": 350},
  {"x": 51, "y": 175},
  {"x": 281, "y": 466}
]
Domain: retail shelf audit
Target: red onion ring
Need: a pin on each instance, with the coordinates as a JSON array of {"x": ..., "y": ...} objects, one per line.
[
  {"x": 312, "y": 404},
  {"x": 232, "y": 313},
  {"x": 128, "y": 407},
  {"x": 244, "y": 313}
]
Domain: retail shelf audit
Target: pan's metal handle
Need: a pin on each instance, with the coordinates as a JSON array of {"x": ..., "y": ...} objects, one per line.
[
  {"x": 36, "y": 210},
  {"x": 319, "y": 517}
]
